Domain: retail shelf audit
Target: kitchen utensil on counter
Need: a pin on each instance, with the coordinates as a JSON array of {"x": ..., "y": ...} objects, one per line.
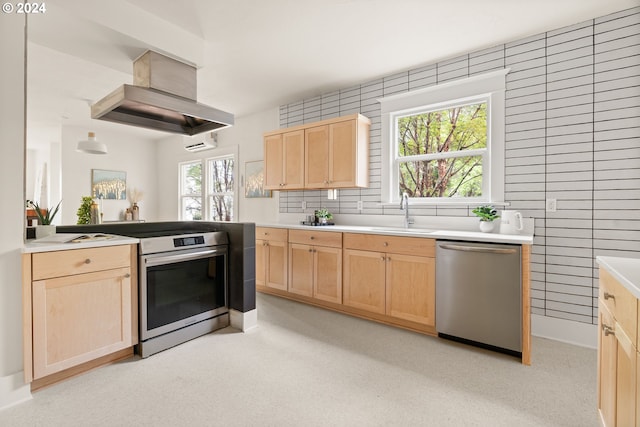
[{"x": 511, "y": 222}]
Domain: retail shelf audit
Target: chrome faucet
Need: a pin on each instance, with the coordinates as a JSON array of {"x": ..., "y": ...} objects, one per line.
[{"x": 404, "y": 205}]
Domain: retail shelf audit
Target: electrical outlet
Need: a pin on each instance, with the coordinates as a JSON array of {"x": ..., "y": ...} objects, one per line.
[
  {"x": 359, "y": 205},
  {"x": 304, "y": 204},
  {"x": 551, "y": 205}
]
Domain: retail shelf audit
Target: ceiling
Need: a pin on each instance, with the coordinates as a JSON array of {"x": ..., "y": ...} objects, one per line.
[{"x": 253, "y": 55}]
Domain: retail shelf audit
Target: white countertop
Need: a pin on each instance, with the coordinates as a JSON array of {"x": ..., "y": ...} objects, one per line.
[
  {"x": 476, "y": 236},
  {"x": 62, "y": 242},
  {"x": 625, "y": 270}
]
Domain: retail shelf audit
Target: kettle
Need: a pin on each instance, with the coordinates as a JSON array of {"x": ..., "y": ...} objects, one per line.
[{"x": 511, "y": 222}]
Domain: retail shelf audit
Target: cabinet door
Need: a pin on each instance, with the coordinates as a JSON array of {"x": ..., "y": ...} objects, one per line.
[
  {"x": 607, "y": 360},
  {"x": 342, "y": 154},
  {"x": 327, "y": 283},
  {"x": 301, "y": 269},
  {"x": 273, "y": 162},
  {"x": 364, "y": 280},
  {"x": 261, "y": 263},
  {"x": 316, "y": 163},
  {"x": 411, "y": 288},
  {"x": 276, "y": 272},
  {"x": 626, "y": 399},
  {"x": 293, "y": 147},
  {"x": 79, "y": 318}
]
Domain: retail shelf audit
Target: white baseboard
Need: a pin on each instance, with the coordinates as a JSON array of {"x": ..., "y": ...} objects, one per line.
[
  {"x": 243, "y": 321},
  {"x": 581, "y": 334},
  {"x": 13, "y": 390}
]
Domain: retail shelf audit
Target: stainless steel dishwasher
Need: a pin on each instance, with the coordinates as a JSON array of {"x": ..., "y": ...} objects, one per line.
[{"x": 479, "y": 294}]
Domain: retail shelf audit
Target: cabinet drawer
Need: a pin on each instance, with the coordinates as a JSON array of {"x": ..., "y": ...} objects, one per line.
[
  {"x": 394, "y": 244},
  {"x": 47, "y": 265},
  {"x": 621, "y": 303},
  {"x": 321, "y": 238},
  {"x": 272, "y": 233}
]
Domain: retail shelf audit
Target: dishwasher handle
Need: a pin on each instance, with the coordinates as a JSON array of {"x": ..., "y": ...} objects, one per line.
[{"x": 484, "y": 249}]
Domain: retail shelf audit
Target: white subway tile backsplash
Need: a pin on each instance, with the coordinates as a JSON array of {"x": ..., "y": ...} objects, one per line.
[
  {"x": 628, "y": 61},
  {"x": 572, "y": 122},
  {"x": 623, "y": 32},
  {"x": 570, "y": 50},
  {"x": 617, "y": 20},
  {"x": 567, "y": 64}
]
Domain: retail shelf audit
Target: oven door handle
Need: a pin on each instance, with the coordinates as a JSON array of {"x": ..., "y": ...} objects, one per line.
[{"x": 169, "y": 259}]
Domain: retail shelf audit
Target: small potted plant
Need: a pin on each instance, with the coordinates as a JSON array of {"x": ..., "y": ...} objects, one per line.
[
  {"x": 323, "y": 216},
  {"x": 84, "y": 211},
  {"x": 487, "y": 215},
  {"x": 45, "y": 217}
]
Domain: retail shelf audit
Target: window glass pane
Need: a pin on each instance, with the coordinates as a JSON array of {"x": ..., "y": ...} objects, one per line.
[
  {"x": 191, "y": 208},
  {"x": 191, "y": 177},
  {"x": 221, "y": 171},
  {"x": 449, "y": 177},
  {"x": 221, "y": 207},
  {"x": 452, "y": 129},
  {"x": 221, "y": 186}
]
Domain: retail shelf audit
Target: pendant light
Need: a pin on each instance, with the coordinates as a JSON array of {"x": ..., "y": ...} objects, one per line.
[{"x": 91, "y": 145}]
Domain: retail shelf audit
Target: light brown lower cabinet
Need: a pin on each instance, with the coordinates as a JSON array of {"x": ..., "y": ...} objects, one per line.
[
  {"x": 390, "y": 275},
  {"x": 364, "y": 280},
  {"x": 398, "y": 285},
  {"x": 271, "y": 258},
  {"x": 618, "y": 356},
  {"x": 79, "y": 306},
  {"x": 315, "y": 265}
]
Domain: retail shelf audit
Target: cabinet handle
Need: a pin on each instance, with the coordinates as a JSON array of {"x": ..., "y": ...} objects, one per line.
[
  {"x": 310, "y": 250},
  {"x": 608, "y": 330},
  {"x": 385, "y": 244},
  {"x": 382, "y": 258},
  {"x": 87, "y": 261},
  {"x": 312, "y": 237},
  {"x": 127, "y": 276},
  {"x": 607, "y": 295},
  {"x": 388, "y": 258}
]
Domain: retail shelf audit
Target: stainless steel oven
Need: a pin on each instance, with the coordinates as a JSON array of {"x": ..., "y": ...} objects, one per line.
[{"x": 183, "y": 288}]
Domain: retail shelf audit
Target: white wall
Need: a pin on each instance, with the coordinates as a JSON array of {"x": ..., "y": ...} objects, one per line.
[
  {"x": 12, "y": 162},
  {"x": 133, "y": 155},
  {"x": 245, "y": 137}
]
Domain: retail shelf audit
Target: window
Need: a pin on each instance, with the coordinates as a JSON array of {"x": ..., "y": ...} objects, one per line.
[
  {"x": 217, "y": 188},
  {"x": 440, "y": 153},
  {"x": 445, "y": 143},
  {"x": 191, "y": 191},
  {"x": 221, "y": 184}
]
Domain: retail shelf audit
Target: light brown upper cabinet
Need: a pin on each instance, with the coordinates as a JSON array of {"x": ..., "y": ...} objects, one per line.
[
  {"x": 284, "y": 160},
  {"x": 334, "y": 154}
]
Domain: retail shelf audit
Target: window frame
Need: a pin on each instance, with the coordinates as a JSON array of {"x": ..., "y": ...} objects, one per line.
[
  {"x": 488, "y": 87},
  {"x": 210, "y": 193},
  {"x": 221, "y": 153},
  {"x": 182, "y": 195}
]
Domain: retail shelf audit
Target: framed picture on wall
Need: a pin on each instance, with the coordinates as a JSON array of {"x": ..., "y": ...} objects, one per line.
[
  {"x": 109, "y": 185},
  {"x": 254, "y": 180}
]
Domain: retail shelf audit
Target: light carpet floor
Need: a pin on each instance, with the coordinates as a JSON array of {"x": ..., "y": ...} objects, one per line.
[{"x": 304, "y": 366}]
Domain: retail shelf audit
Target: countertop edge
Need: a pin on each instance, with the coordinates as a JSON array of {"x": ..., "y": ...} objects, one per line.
[
  {"x": 114, "y": 240},
  {"x": 519, "y": 239},
  {"x": 625, "y": 270}
]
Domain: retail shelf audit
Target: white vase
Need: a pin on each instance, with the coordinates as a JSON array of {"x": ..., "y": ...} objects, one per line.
[
  {"x": 486, "y": 226},
  {"x": 45, "y": 230}
]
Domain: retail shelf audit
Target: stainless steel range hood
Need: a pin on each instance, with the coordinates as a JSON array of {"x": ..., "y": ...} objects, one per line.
[{"x": 162, "y": 97}]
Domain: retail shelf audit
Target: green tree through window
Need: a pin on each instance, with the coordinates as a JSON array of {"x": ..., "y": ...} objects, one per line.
[{"x": 440, "y": 153}]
